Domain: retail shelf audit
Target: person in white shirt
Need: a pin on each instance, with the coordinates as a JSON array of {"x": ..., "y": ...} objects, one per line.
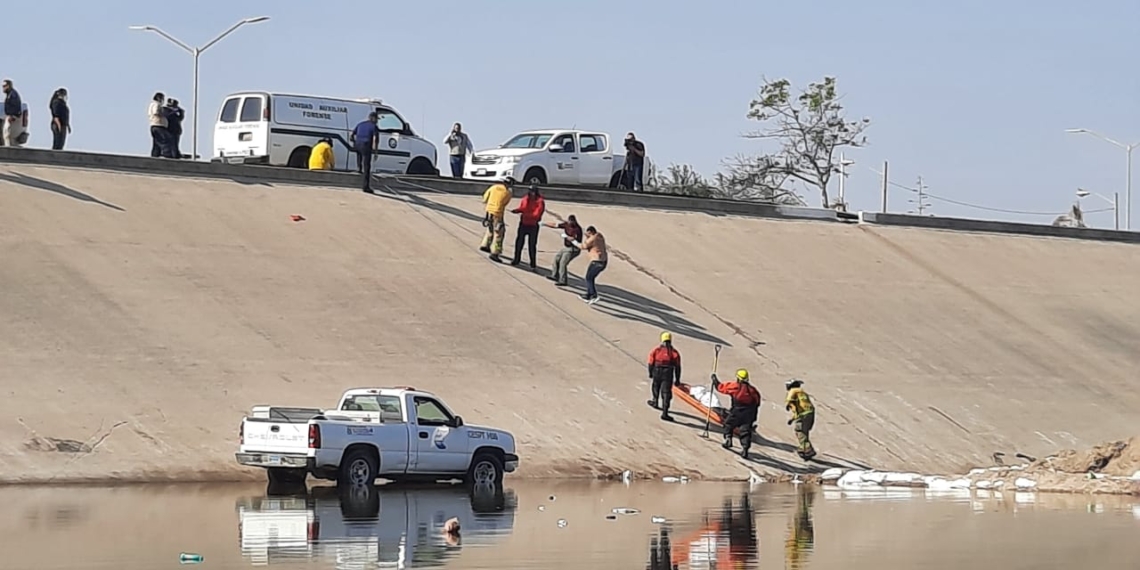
[
  {"x": 159, "y": 136},
  {"x": 458, "y": 147}
]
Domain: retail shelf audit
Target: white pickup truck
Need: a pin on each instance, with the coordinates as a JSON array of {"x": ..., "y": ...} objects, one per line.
[
  {"x": 393, "y": 433},
  {"x": 560, "y": 156}
]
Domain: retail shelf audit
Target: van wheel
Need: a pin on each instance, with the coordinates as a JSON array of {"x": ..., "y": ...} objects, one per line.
[
  {"x": 421, "y": 166},
  {"x": 486, "y": 470},
  {"x": 359, "y": 467},
  {"x": 299, "y": 158},
  {"x": 535, "y": 176}
]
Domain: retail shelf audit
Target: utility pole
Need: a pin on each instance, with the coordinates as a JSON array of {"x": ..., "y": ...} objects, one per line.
[
  {"x": 921, "y": 203},
  {"x": 885, "y": 184}
]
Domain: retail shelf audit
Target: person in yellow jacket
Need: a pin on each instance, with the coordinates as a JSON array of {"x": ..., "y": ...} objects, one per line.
[
  {"x": 322, "y": 156},
  {"x": 497, "y": 197},
  {"x": 803, "y": 416}
]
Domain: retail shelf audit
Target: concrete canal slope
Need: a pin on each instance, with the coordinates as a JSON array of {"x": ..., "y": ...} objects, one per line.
[{"x": 142, "y": 315}]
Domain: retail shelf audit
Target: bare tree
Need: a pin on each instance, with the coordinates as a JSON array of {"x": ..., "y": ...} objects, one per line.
[
  {"x": 742, "y": 180},
  {"x": 809, "y": 126},
  {"x": 681, "y": 179}
]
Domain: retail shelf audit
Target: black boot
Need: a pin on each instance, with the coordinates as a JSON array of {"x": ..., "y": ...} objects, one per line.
[
  {"x": 727, "y": 443},
  {"x": 652, "y": 403},
  {"x": 744, "y": 453}
]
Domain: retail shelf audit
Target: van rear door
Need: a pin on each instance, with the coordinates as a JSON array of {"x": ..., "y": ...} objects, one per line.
[{"x": 242, "y": 130}]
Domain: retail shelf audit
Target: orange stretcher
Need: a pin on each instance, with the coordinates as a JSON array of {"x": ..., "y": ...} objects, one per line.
[{"x": 681, "y": 392}]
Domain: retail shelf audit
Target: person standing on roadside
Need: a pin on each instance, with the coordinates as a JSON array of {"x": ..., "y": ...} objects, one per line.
[
  {"x": 174, "y": 117},
  {"x": 530, "y": 211},
  {"x": 634, "y": 162},
  {"x": 496, "y": 197},
  {"x": 664, "y": 373},
  {"x": 13, "y": 114},
  {"x": 366, "y": 139},
  {"x": 159, "y": 135},
  {"x": 60, "y": 119},
  {"x": 459, "y": 146},
  {"x": 571, "y": 232},
  {"x": 595, "y": 246}
]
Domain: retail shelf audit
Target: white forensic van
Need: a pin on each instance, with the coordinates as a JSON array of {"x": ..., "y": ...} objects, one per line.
[{"x": 280, "y": 130}]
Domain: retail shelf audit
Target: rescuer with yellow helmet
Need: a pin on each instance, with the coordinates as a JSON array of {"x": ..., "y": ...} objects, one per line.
[
  {"x": 745, "y": 408},
  {"x": 664, "y": 373}
]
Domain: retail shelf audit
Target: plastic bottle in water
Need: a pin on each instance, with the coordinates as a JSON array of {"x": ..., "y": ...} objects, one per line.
[
  {"x": 190, "y": 558},
  {"x": 658, "y": 520},
  {"x": 562, "y": 523},
  {"x": 624, "y": 511}
]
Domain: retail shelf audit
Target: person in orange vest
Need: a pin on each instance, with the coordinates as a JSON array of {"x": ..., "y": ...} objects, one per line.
[
  {"x": 745, "y": 407},
  {"x": 664, "y": 373}
]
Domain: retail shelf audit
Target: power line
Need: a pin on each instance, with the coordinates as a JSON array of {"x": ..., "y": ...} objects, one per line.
[{"x": 925, "y": 194}]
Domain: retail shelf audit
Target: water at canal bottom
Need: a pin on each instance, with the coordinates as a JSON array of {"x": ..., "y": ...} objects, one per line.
[{"x": 541, "y": 525}]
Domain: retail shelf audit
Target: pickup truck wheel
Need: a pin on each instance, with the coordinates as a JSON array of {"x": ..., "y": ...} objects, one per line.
[
  {"x": 535, "y": 176},
  {"x": 286, "y": 476},
  {"x": 358, "y": 468},
  {"x": 485, "y": 469}
]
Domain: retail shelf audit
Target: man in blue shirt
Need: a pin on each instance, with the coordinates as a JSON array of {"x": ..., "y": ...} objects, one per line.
[{"x": 365, "y": 139}]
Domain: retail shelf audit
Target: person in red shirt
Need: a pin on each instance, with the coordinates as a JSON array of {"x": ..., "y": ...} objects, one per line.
[
  {"x": 530, "y": 212},
  {"x": 664, "y": 373},
  {"x": 745, "y": 407}
]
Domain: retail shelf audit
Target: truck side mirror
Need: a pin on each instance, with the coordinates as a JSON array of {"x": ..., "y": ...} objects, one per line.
[
  {"x": 458, "y": 421},
  {"x": 555, "y": 148}
]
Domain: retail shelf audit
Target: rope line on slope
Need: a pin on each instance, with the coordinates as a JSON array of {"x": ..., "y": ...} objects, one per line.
[{"x": 510, "y": 274}]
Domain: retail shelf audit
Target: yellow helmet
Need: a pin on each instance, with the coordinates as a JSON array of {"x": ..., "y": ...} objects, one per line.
[
  {"x": 742, "y": 375},
  {"x": 666, "y": 337}
]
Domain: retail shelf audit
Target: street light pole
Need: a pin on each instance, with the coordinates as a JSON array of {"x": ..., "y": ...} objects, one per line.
[
  {"x": 1128, "y": 148},
  {"x": 196, "y": 53},
  {"x": 1115, "y": 201}
]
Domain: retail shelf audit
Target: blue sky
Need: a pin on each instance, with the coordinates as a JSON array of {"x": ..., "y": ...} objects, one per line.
[{"x": 972, "y": 95}]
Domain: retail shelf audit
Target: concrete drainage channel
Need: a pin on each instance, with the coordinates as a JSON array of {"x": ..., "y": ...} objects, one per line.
[{"x": 585, "y": 195}]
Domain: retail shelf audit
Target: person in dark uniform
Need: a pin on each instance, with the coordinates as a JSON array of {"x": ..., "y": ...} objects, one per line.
[
  {"x": 664, "y": 373},
  {"x": 745, "y": 408},
  {"x": 365, "y": 140}
]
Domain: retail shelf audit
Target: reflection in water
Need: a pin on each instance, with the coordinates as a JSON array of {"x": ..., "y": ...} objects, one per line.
[
  {"x": 801, "y": 530},
  {"x": 725, "y": 540},
  {"x": 365, "y": 527}
]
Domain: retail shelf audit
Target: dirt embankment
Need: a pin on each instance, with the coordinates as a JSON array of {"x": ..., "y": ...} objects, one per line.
[{"x": 1109, "y": 468}]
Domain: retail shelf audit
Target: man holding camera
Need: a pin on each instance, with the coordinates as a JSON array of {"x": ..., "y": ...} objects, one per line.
[{"x": 634, "y": 163}]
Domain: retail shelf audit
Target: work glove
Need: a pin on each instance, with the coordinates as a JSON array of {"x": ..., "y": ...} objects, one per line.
[
  {"x": 676, "y": 382},
  {"x": 564, "y": 236}
]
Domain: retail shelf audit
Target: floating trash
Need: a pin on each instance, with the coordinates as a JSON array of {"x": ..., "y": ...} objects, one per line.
[
  {"x": 658, "y": 520},
  {"x": 671, "y": 479},
  {"x": 542, "y": 507},
  {"x": 190, "y": 558},
  {"x": 626, "y": 476},
  {"x": 624, "y": 511},
  {"x": 611, "y": 517},
  {"x": 552, "y": 497},
  {"x": 562, "y": 523}
]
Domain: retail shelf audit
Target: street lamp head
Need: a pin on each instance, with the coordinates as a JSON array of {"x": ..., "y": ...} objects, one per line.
[
  {"x": 143, "y": 28},
  {"x": 1081, "y": 193},
  {"x": 255, "y": 20},
  {"x": 1076, "y": 131}
]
